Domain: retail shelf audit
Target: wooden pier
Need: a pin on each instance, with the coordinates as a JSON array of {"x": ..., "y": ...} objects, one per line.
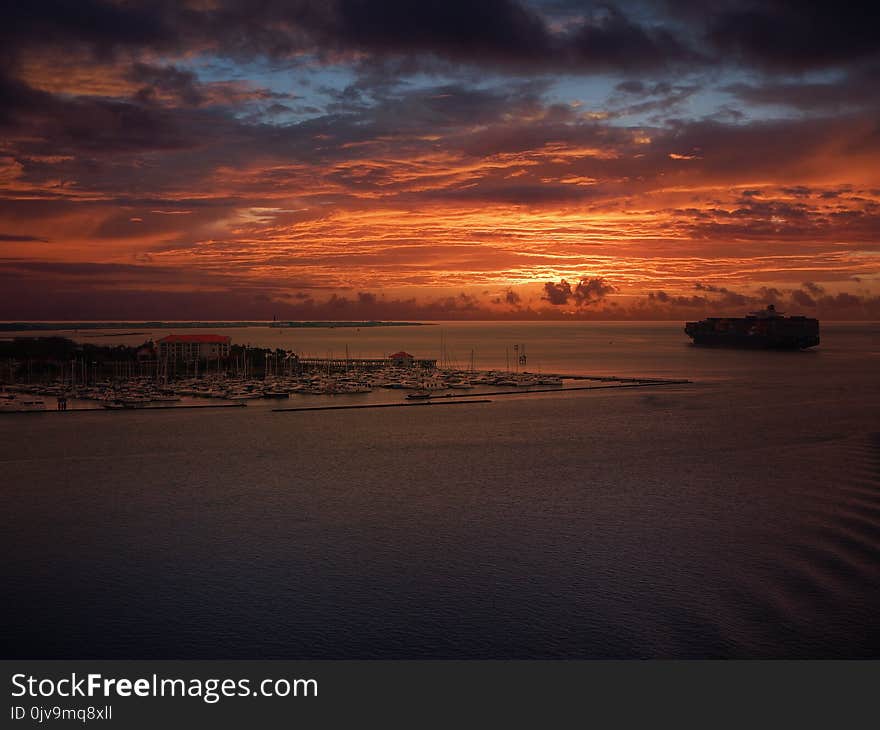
[{"x": 342, "y": 364}]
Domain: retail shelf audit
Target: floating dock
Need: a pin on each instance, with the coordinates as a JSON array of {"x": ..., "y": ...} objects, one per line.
[
  {"x": 560, "y": 389},
  {"x": 463, "y": 401}
]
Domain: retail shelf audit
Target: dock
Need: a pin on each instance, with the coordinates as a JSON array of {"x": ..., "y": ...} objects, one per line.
[
  {"x": 523, "y": 391},
  {"x": 463, "y": 401}
]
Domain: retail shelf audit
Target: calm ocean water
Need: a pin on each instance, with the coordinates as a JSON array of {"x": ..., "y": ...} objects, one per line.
[{"x": 735, "y": 517}]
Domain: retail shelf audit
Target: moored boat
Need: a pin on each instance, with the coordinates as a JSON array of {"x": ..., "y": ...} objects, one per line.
[{"x": 21, "y": 405}]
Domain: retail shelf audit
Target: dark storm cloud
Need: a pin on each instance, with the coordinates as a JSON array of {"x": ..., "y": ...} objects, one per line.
[
  {"x": 803, "y": 299},
  {"x": 102, "y": 26},
  {"x": 498, "y": 32},
  {"x": 557, "y": 293},
  {"x": 473, "y": 123},
  {"x": 590, "y": 291},
  {"x": 790, "y": 34},
  {"x": 727, "y": 297},
  {"x": 183, "y": 85},
  {"x": 844, "y": 305},
  {"x": 115, "y": 126},
  {"x": 586, "y": 292},
  {"x": 18, "y": 99},
  {"x": 855, "y": 89},
  {"x": 85, "y": 123},
  {"x": 614, "y": 41},
  {"x": 520, "y": 35},
  {"x": 677, "y": 300}
]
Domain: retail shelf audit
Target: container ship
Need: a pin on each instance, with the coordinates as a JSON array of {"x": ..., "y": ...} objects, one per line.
[{"x": 764, "y": 330}]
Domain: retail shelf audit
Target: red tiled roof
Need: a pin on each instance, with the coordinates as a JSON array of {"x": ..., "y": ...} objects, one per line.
[{"x": 221, "y": 339}]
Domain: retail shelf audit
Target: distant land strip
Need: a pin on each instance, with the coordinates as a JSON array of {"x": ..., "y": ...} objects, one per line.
[{"x": 285, "y": 324}]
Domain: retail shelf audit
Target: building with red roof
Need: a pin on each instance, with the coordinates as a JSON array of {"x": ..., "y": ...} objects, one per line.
[
  {"x": 401, "y": 359},
  {"x": 194, "y": 347}
]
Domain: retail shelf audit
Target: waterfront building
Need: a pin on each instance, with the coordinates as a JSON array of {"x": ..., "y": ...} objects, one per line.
[
  {"x": 401, "y": 359},
  {"x": 194, "y": 347}
]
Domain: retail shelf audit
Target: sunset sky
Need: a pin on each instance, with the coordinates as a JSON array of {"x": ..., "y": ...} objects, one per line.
[{"x": 438, "y": 159}]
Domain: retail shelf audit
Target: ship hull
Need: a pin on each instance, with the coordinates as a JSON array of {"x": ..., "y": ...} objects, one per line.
[{"x": 754, "y": 342}]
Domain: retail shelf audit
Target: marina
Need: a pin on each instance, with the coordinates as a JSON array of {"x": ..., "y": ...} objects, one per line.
[
  {"x": 386, "y": 388},
  {"x": 200, "y": 370}
]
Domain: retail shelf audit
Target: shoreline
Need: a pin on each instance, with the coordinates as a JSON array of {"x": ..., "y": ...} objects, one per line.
[{"x": 195, "y": 324}]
